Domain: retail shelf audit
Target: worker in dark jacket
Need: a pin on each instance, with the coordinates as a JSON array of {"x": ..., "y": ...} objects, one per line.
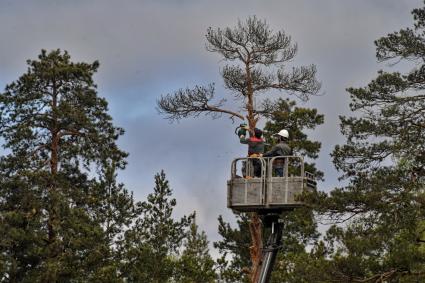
[
  {"x": 255, "y": 149},
  {"x": 281, "y": 148}
]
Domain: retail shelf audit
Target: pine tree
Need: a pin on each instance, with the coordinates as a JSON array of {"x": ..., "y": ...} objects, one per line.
[
  {"x": 58, "y": 138},
  {"x": 234, "y": 249},
  {"x": 152, "y": 246},
  {"x": 383, "y": 162},
  {"x": 195, "y": 264},
  {"x": 259, "y": 58},
  {"x": 116, "y": 211}
]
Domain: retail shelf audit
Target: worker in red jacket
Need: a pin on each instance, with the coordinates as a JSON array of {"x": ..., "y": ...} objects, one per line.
[
  {"x": 255, "y": 148},
  {"x": 255, "y": 143}
]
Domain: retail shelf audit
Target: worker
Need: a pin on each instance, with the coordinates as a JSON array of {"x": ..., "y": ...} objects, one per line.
[
  {"x": 255, "y": 147},
  {"x": 255, "y": 143},
  {"x": 281, "y": 148}
]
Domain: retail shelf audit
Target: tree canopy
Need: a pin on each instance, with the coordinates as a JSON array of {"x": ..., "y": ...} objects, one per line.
[
  {"x": 53, "y": 211},
  {"x": 63, "y": 215},
  {"x": 257, "y": 63},
  {"x": 382, "y": 207}
]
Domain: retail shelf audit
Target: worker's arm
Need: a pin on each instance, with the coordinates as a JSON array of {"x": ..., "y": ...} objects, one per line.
[
  {"x": 243, "y": 139},
  {"x": 272, "y": 152}
]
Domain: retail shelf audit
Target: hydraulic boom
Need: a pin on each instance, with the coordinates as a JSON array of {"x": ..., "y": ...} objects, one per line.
[{"x": 272, "y": 247}]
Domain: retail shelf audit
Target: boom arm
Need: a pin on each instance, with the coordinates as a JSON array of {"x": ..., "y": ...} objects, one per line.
[{"x": 271, "y": 249}]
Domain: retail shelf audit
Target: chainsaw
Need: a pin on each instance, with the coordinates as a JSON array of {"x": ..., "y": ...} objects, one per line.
[{"x": 241, "y": 129}]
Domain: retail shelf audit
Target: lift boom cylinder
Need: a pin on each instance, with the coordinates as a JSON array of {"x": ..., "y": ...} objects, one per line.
[{"x": 271, "y": 250}]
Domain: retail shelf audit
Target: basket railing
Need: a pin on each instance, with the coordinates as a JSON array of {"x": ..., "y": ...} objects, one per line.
[{"x": 272, "y": 180}]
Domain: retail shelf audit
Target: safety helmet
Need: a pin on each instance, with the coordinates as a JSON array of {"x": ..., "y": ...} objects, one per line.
[{"x": 283, "y": 133}]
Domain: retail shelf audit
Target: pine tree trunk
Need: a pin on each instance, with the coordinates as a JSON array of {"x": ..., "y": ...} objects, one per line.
[
  {"x": 255, "y": 227},
  {"x": 53, "y": 220},
  {"x": 255, "y": 251}
]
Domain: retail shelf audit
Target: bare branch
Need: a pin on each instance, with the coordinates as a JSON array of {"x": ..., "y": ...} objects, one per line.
[{"x": 192, "y": 102}]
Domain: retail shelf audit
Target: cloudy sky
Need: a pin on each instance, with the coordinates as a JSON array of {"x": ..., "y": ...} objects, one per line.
[{"x": 148, "y": 48}]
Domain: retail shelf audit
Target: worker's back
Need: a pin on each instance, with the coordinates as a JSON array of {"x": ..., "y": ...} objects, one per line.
[
  {"x": 255, "y": 145},
  {"x": 279, "y": 149}
]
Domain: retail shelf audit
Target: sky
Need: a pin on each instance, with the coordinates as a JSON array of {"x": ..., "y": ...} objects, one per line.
[{"x": 150, "y": 48}]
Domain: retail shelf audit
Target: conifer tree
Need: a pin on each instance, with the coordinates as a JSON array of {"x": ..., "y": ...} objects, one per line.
[
  {"x": 60, "y": 209},
  {"x": 195, "y": 264},
  {"x": 383, "y": 162},
  {"x": 259, "y": 59},
  {"x": 152, "y": 246},
  {"x": 234, "y": 249}
]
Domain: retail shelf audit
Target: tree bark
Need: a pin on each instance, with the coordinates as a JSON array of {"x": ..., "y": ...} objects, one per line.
[
  {"x": 255, "y": 250},
  {"x": 255, "y": 227},
  {"x": 53, "y": 220}
]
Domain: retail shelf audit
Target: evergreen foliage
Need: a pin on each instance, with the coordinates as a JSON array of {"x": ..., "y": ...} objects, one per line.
[
  {"x": 195, "y": 264},
  {"x": 153, "y": 244},
  {"x": 63, "y": 216},
  {"x": 284, "y": 114},
  {"x": 59, "y": 217},
  {"x": 382, "y": 207},
  {"x": 234, "y": 249}
]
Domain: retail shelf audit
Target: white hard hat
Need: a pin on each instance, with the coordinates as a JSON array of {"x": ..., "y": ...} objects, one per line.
[{"x": 283, "y": 133}]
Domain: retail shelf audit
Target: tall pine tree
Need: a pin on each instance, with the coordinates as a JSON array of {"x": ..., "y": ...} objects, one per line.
[
  {"x": 258, "y": 59},
  {"x": 383, "y": 162},
  {"x": 60, "y": 208}
]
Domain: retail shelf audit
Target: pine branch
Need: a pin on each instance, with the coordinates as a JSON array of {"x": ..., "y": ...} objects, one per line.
[{"x": 193, "y": 102}]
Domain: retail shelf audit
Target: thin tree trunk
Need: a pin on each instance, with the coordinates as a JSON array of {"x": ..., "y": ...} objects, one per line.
[
  {"x": 255, "y": 251},
  {"x": 53, "y": 220},
  {"x": 255, "y": 227},
  {"x": 250, "y": 96}
]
